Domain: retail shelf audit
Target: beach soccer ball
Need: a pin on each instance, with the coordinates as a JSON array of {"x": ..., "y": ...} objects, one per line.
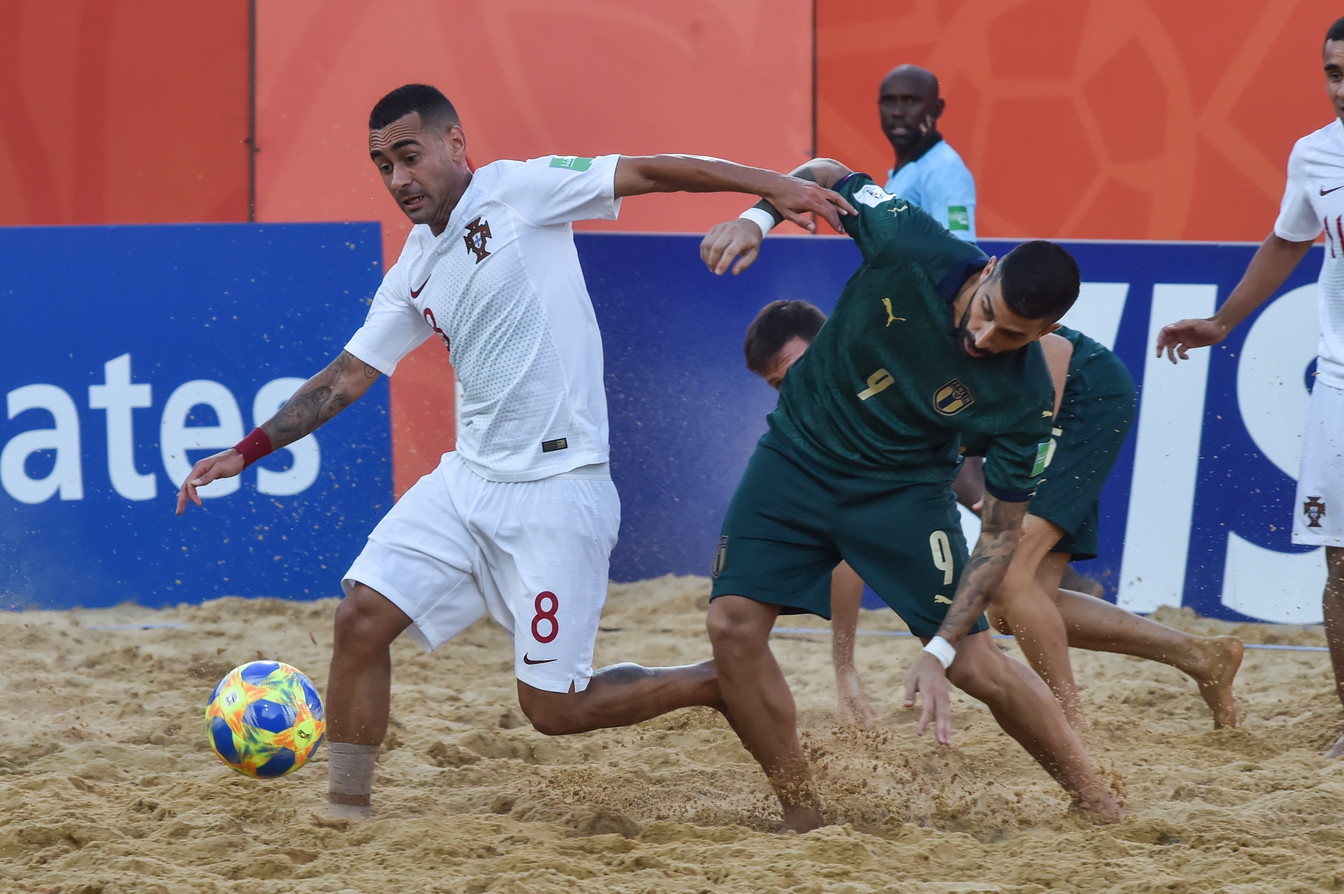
[{"x": 264, "y": 719}]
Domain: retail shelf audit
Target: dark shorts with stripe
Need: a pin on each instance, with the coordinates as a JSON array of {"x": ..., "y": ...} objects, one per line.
[
  {"x": 1095, "y": 416},
  {"x": 791, "y": 521}
]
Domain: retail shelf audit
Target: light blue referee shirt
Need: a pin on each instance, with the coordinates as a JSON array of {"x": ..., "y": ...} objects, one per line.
[{"x": 940, "y": 183}]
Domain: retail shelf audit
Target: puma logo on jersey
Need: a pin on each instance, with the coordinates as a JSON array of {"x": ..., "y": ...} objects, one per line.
[
  {"x": 891, "y": 316},
  {"x": 940, "y": 599},
  {"x": 478, "y": 231}
]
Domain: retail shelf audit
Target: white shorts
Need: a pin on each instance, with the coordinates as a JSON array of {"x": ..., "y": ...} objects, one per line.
[
  {"x": 1318, "y": 513},
  {"x": 534, "y": 554}
]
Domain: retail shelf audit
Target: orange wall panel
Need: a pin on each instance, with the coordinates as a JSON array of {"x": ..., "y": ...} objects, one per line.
[
  {"x": 123, "y": 112},
  {"x": 1111, "y": 119},
  {"x": 529, "y": 78}
]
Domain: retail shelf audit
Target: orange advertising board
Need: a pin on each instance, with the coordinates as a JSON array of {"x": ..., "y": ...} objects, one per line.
[{"x": 1141, "y": 119}]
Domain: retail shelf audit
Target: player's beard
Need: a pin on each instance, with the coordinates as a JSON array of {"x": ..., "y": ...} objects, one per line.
[{"x": 965, "y": 341}]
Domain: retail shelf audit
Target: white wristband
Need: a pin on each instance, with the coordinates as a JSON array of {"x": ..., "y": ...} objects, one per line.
[
  {"x": 942, "y": 650},
  {"x": 761, "y": 218}
]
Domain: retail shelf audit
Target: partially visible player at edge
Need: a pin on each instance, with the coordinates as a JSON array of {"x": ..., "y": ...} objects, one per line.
[
  {"x": 1312, "y": 201},
  {"x": 929, "y": 339},
  {"x": 520, "y": 520},
  {"x": 1094, "y": 407}
]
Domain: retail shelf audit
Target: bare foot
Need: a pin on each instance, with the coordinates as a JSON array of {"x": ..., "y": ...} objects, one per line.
[
  {"x": 1335, "y": 750},
  {"x": 1101, "y": 810},
  {"x": 1215, "y": 664},
  {"x": 802, "y": 819},
  {"x": 853, "y": 707}
]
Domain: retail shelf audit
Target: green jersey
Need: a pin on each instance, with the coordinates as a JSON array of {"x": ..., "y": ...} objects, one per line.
[{"x": 885, "y": 390}]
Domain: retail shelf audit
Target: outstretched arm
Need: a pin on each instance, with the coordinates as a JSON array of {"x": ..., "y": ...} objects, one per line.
[
  {"x": 1273, "y": 261},
  {"x": 736, "y": 243},
  {"x": 323, "y": 396},
  {"x": 794, "y": 197},
  {"x": 1000, "y": 530}
]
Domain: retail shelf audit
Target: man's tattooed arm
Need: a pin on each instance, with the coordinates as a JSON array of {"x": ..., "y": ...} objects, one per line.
[
  {"x": 323, "y": 396},
  {"x": 1000, "y": 530}
]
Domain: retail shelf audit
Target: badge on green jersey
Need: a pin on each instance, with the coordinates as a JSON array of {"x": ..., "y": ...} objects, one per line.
[
  {"x": 1042, "y": 458},
  {"x": 958, "y": 217},
  {"x": 572, "y": 162}
]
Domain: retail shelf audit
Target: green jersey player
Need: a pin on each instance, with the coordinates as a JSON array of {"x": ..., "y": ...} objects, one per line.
[{"x": 929, "y": 340}]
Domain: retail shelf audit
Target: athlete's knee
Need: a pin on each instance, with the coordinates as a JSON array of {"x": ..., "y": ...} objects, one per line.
[
  {"x": 366, "y": 621},
  {"x": 997, "y": 618},
  {"x": 979, "y": 668},
  {"x": 734, "y": 625},
  {"x": 553, "y": 713}
]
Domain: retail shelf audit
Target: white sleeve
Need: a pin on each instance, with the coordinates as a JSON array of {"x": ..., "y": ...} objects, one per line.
[
  {"x": 393, "y": 327},
  {"x": 558, "y": 189},
  {"x": 1297, "y": 221}
]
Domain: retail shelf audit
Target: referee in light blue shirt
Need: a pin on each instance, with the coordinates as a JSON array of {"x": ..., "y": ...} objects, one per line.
[{"x": 928, "y": 172}]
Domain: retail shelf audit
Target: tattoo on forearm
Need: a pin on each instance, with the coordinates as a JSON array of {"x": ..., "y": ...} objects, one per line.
[
  {"x": 1001, "y": 528},
  {"x": 319, "y": 399}
]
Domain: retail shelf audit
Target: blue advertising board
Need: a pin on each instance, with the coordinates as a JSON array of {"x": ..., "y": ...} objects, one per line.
[
  {"x": 1197, "y": 512},
  {"x": 141, "y": 349}
]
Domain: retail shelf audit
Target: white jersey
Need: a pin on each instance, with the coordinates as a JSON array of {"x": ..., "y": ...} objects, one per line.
[
  {"x": 502, "y": 287},
  {"x": 1313, "y": 201}
]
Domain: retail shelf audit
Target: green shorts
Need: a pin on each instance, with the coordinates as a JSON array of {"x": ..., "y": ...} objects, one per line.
[
  {"x": 1095, "y": 416},
  {"x": 791, "y": 521}
]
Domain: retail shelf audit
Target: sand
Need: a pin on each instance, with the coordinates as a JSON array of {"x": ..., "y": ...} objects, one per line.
[{"x": 107, "y": 783}]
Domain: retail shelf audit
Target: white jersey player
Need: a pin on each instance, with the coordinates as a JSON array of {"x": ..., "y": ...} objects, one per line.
[
  {"x": 520, "y": 520},
  {"x": 1313, "y": 204}
]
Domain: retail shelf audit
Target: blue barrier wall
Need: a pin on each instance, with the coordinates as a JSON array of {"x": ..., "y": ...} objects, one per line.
[
  {"x": 1199, "y": 508},
  {"x": 142, "y": 349}
]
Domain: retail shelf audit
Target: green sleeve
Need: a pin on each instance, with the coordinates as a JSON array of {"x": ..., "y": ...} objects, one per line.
[{"x": 890, "y": 231}]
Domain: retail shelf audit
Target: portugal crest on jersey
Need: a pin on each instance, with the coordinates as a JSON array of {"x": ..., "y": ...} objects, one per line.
[
  {"x": 1314, "y": 510},
  {"x": 952, "y": 398},
  {"x": 477, "y": 232}
]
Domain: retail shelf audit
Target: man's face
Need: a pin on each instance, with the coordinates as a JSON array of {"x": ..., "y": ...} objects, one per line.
[
  {"x": 784, "y": 358},
  {"x": 988, "y": 327},
  {"x": 908, "y": 107},
  {"x": 424, "y": 168},
  {"x": 1333, "y": 56}
]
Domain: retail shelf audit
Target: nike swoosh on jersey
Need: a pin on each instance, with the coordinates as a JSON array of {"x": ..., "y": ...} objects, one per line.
[
  {"x": 1326, "y": 192},
  {"x": 415, "y": 293},
  {"x": 527, "y": 660}
]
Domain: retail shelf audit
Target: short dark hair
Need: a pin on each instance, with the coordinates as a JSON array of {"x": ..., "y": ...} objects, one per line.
[
  {"x": 1040, "y": 280},
  {"x": 778, "y": 323},
  {"x": 433, "y": 107},
  {"x": 1336, "y": 31}
]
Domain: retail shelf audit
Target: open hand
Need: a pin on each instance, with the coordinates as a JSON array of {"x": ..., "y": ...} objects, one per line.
[
  {"x": 225, "y": 464},
  {"x": 738, "y": 239},
  {"x": 928, "y": 678},
  {"x": 1178, "y": 338}
]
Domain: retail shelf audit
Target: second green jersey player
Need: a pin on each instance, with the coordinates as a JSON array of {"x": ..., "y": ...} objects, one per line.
[{"x": 929, "y": 339}]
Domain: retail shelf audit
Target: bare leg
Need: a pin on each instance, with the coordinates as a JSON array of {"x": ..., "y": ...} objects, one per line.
[
  {"x": 621, "y": 695},
  {"x": 1332, "y": 601},
  {"x": 762, "y": 706},
  {"x": 1075, "y": 580},
  {"x": 1024, "y": 605},
  {"x": 1026, "y": 710},
  {"x": 1211, "y": 661},
  {"x": 359, "y": 683},
  {"x": 846, "y": 599}
]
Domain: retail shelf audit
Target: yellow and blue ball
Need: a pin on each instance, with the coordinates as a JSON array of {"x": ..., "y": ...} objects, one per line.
[{"x": 264, "y": 719}]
